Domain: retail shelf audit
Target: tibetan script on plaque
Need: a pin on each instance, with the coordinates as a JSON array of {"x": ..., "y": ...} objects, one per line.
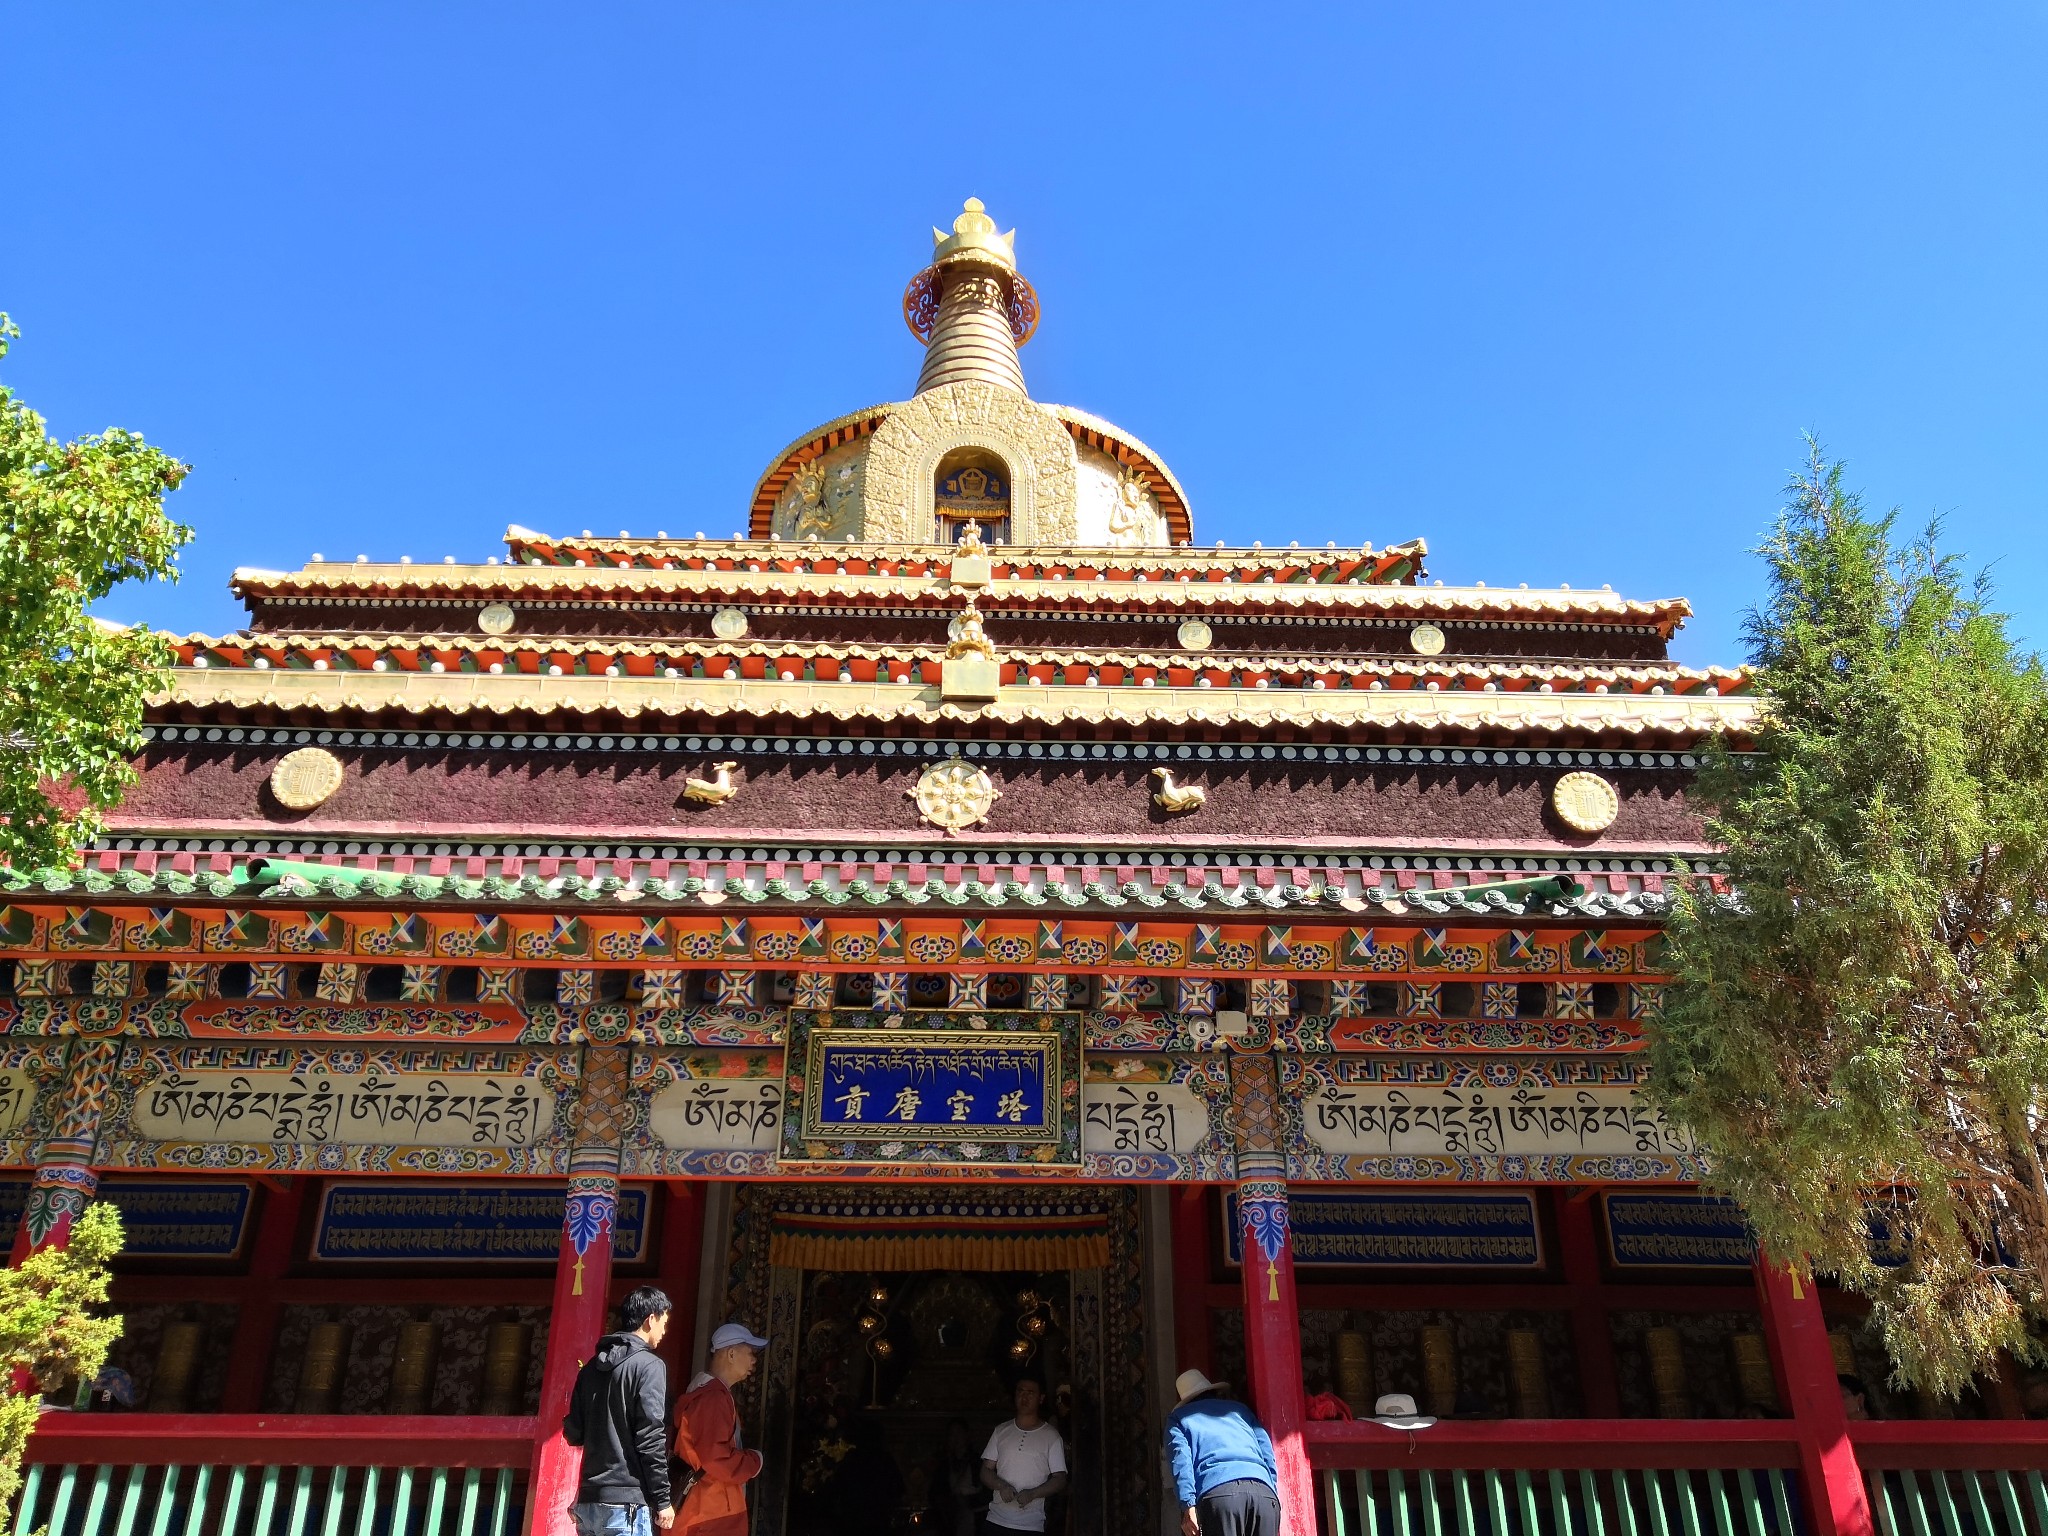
[
  {"x": 432, "y": 1109},
  {"x": 698, "y": 1114},
  {"x": 876, "y": 1085},
  {"x": 1356, "y": 1118},
  {"x": 1403, "y": 1231},
  {"x": 411, "y": 1220}
]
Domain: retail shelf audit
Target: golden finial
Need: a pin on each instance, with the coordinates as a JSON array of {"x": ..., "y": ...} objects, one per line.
[{"x": 974, "y": 237}]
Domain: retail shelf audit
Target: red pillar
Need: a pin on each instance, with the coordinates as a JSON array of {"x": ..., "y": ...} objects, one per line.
[
  {"x": 1272, "y": 1340},
  {"x": 64, "y": 1184},
  {"x": 682, "y": 1247},
  {"x": 65, "y": 1181},
  {"x": 1828, "y": 1471},
  {"x": 1191, "y": 1281},
  {"x": 583, "y": 1269},
  {"x": 256, "y": 1317},
  {"x": 1592, "y": 1338}
]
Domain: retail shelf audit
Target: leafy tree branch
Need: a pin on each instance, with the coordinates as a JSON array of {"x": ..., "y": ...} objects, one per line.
[
  {"x": 77, "y": 519},
  {"x": 1859, "y": 1030}
]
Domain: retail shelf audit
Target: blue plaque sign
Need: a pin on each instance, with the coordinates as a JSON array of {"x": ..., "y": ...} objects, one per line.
[
  {"x": 1676, "y": 1231},
  {"x": 1328, "y": 1227},
  {"x": 884, "y": 1085},
  {"x": 411, "y": 1221},
  {"x": 1006, "y": 1091},
  {"x": 181, "y": 1218}
]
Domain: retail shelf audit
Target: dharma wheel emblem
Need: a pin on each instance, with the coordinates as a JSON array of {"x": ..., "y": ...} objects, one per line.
[
  {"x": 954, "y": 794},
  {"x": 1585, "y": 802},
  {"x": 1426, "y": 640},
  {"x": 303, "y": 779}
]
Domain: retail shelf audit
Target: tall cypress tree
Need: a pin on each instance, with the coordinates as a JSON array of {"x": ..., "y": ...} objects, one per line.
[{"x": 1859, "y": 1029}]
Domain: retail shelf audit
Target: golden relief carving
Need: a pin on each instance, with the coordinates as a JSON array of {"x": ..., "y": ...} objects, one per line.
[
  {"x": 1134, "y": 516},
  {"x": 968, "y": 637},
  {"x": 1426, "y": 640},
  {"x": 899, "y": 501},
  {"x": 305, "y": 778},
  {"x": 954, "y": 795},
  {"x": 1177, "y": 799},
  {"x": 1585, "y": 802},
  {"x": 715, "y": 790}
]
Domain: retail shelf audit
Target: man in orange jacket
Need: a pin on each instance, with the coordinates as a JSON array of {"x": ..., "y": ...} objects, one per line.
[{"x": 708, "y": 1439}]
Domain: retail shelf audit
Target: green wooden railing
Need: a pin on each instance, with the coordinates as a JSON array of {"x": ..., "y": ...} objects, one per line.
[
  {"x": 1639, "y": 1502},
  {"x": 1960, "y": 1503},
  {"x": 206, "y": 1500}
]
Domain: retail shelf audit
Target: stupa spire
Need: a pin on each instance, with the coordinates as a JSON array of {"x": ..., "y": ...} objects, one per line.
[{"x": 971, "y": 307}]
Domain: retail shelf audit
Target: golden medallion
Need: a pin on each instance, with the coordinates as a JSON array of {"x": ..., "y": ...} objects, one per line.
[
  {"x": 954, "y": 795},
  {"x": 1426, "y": 640},
  {"x": 1585, "y": 802},
  {"x": 495, "y": 618},
  {"x": 729, "y": 623},
  {"x": 305, "y": 778},
  {"x": 1196, "y": 635}
]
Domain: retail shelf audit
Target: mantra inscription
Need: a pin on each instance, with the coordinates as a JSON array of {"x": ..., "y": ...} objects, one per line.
[
  {"x": 1353, "y": 1119},
  {"x": 701, "y": 1115},
  {"x": 432, "y": 1109}
]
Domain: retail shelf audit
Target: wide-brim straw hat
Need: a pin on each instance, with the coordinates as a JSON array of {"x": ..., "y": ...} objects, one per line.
[{"x": 1193, "y": 1384}]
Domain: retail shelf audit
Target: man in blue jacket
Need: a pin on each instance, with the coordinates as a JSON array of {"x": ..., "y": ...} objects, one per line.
[{"x": 1223, "y": 1467}]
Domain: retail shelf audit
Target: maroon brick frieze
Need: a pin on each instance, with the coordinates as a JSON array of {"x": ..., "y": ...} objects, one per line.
[{"x": 564, "y": 795}]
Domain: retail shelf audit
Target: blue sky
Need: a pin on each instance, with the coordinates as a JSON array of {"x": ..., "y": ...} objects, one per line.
[{"x": 1556, "y": 287}]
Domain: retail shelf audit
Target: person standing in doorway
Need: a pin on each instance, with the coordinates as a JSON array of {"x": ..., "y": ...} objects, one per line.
[
  {"x": 1223, "y": 1467},
  {"x": 1024, "y": 1463},
  {"x": 615, "y": 1416},
  {"x": 708, "y": 1437}
]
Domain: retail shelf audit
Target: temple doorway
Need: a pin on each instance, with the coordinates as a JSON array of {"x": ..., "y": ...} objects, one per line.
[
  {"x": 900, "y": 1378},
  {"x": 899, "y": 1319}
]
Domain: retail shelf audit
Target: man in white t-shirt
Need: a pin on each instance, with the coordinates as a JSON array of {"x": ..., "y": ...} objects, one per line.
[{"x": 1023, "y": 1465}]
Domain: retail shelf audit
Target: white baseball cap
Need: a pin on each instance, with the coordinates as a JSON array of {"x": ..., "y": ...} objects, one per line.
[{"x": 725, "y": 1335}]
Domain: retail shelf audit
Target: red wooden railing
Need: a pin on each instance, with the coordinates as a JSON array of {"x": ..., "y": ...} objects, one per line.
[
  {"x": 326, "y": 1440},
  {"x": 1544, "y": 1444}
]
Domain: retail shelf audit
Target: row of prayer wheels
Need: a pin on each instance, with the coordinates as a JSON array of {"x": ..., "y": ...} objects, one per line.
[
  {"x": 1529, "y": 1384},
  {"x": 410, "y": 1388}
]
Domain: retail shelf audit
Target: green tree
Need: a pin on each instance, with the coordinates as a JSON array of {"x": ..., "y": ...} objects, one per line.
[
  {"x": 49, "y": 1335},
  {"x": 1858, "y": 1034},
  {"x": 77, "y": 519}
]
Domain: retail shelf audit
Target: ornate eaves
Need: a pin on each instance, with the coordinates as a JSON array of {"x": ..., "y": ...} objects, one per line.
[
  {"x": 598, "y": 584},
  {"x": 1678, "y": 717}
]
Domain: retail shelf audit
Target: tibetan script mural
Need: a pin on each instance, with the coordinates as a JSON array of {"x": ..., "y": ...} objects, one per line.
[
  {"x": 424, "y": 1109},
  {"x": 1388, "y": 1231},
  {"x": 709, "y": 1114},
  {"x": 1004, "y": 1089},
  {"x": 409, "y": 1221},
  {"x": 1487, "y": 1121},
  {"x": 480, "y": 1109},
  {"x": 1422, "y": 1118},
  {"x": 1156, "y": 1116},
  {"x": 32, "y": 1075},
  {"x": 181, "y": 1218},
  {"x": 1677, "y": 1231}
]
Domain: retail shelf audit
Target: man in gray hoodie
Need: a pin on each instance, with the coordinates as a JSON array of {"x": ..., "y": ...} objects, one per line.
[{"x": 616, "y": 1414}]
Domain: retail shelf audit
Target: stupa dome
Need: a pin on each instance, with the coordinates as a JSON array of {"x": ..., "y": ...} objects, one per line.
[{"x": 971, "y": 445}]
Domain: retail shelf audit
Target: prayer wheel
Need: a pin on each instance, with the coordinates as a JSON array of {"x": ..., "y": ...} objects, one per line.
[
  {"x": 1843, "y": 1347},
  {"x": 177, "y": 1368},
  {"x": 323, "y": 1369},
  {"x": 1753, "y": 1371},
  {"x": 1354, "y": 1371},
  {"x": 1528, "y": 1385},
  {"x": 1667, "y": 1372},
  {"x": 1440, "y": 1369},
  {"x": 507, "y": 1347},
  {"x": 412, "y": 1368}
]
